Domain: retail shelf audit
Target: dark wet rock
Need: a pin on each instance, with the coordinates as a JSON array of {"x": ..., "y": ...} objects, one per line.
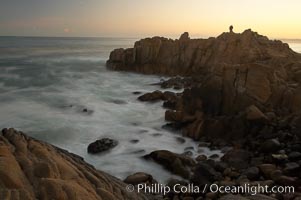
[
  {"x": 232, "y": 197},
  {"x": 157, "y": 134},
  {"x": 201, "y": 158},
  {"x": 255, "y": 161},
  {"x": 252, "y": 173},
  {"x": 135, "y": 123},
  {"x": 170, "y": 104},
  {"x": 135, "y": 141},
  {"x": 238, "y": 159},
  {"x": 140, "y": 177},
  {"x": 267, "y": 169},
  {"x": 175, "y": 163},
  {"x": 294, "y": 156},
  {"x": 260, "y": 197},
  {"x": 214, "y": 156},
  {"x": 287, "y": 180},
  {"x": 271, "y": 146},
  {"x": 174, "y": 116},
  {"x": 153, "y": 96},
  {"x": 220, "y": 166},
  {"x": 142, "y": 131},
  {"x": 137, "y": 92},
  {"x": 274, "y": 175},
  {"x": 291, "y": 169},
  {"x": 138, "y": 151},
  {"x": 118, "y": 101},
  {"x": 188, "y": 153},
  {"x": 180, "y": 140},
  {"x": 102, "y": 145},
  {"x": 87, "y": 111},
  {"x": 204, "y": 174}
]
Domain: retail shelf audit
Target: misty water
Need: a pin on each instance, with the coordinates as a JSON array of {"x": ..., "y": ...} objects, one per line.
[{"x": 45, "y": 83}]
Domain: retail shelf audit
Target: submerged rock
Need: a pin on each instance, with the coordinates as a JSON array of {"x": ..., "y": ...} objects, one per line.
[{"x": 102, "y": 145}]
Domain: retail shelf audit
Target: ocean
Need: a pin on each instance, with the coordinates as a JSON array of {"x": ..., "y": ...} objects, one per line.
[{"x": 46, "y": 83}]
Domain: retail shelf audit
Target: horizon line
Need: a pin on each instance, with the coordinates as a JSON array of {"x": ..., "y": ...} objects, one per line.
[{"x": 124, "y": 37}]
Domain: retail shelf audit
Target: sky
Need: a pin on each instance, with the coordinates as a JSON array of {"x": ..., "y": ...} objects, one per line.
[{"x": 138, "y": 18}]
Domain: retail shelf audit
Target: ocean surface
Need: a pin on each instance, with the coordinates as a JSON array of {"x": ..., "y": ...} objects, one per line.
[{"x": 46, "y": 83}]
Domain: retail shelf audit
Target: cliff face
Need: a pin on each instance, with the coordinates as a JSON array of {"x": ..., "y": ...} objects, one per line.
[
  {"x": 31, "y": 169},
  {"x": 237, "y": 70},
  {"x": 186, "y": 56}
]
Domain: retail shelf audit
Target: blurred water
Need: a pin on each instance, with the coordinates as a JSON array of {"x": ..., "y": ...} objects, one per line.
[{"x": 45, "y": 83}]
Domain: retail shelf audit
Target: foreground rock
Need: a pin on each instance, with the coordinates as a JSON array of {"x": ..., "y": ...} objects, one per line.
[
  {"x": 102, "y": 145},
  {"x": 31, "y": 169}
]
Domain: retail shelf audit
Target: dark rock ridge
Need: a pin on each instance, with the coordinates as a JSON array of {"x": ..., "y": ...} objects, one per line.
[{"x": 31, "y": 169}]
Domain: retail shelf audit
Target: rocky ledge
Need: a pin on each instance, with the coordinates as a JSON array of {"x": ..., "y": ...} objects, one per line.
[{"x": 31, "y": 169}]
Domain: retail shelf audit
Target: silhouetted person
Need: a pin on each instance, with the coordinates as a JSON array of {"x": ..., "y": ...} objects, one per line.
[{"x": 231, "y": 29}]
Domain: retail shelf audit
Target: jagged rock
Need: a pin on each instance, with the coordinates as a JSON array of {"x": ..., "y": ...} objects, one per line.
[
  {"x": 176, "y": 163},
  {"x": 102, "y": 145},
  {"x": 31, "y": 169}
]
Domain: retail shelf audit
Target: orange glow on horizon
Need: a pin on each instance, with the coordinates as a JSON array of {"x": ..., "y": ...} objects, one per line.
[{"x": 170, "y": 18}]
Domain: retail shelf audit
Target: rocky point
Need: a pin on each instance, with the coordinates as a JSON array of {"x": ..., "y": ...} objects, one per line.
[{"x": 241, "y": 93}]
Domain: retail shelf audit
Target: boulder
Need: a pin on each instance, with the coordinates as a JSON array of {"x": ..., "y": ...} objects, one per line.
[
  {"x": 138, "y": 178},
  {"x": 237, "y": 158},
  {"x": 102, "y": 145},
  {"x": 267, "y": 169},
  {"x": 204, "y": 174},
  {"x": 252, "y": 173},
  {"x": 270, "y": 146},
  {"x": 175, "y": 163}
]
